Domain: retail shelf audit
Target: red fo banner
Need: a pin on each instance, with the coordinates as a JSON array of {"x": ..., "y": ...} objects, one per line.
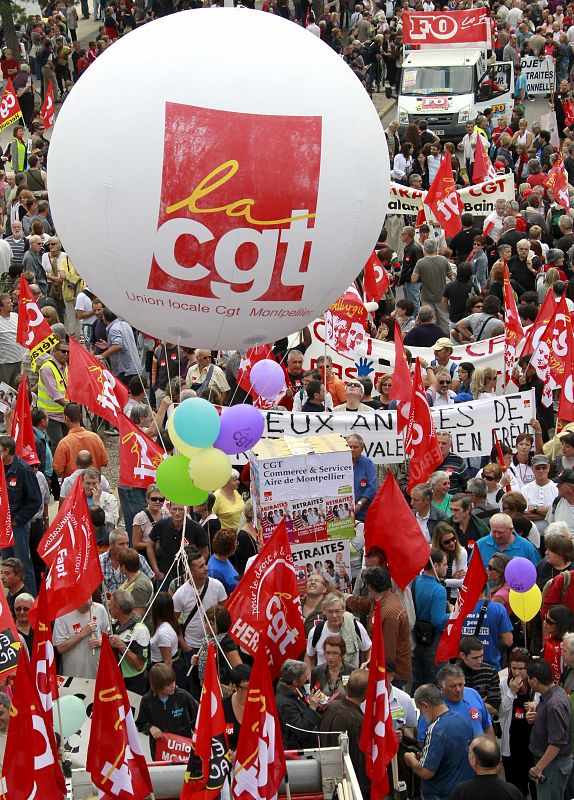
[
  {"x": 260, "y": 757},
  {"x": 48, "y": 107},
  {"x": 115, "y": 759},
  {"x": 22, "y": 430},
  {"x": 93, "y": 386},
  {"x": 9, "y": 107},
  {"x": 376, "y": 282},
  {"x": 443, "y": 199},
  {"x": 378, "y": 740},
  {"x": 402, "y": 385},
  {"x": 33, "y": 331},
  {"x": 346, "y": 323},
  {"x": 6, "y": 535},
  {"x": 69, "y": 549},
  {"x": 472, "y": 586},
  {"x": 421, "y": 442},
  {"x": 513, "y": 330},
  {"x": 174, "y": 748},
  {"x": 436, "y": 28},
  {"x": 266, "y": 601},
  {"x": 140, "y": 456}
]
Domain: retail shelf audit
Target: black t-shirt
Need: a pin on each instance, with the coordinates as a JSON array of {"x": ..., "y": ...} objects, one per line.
[
  {"x": 486, "y": 786},
  {"x": 168, "y": 540},
  {"x": 457, "y": 294},
  {"x": 461, "y": 244},
  {"x": 519, "y": 271}
]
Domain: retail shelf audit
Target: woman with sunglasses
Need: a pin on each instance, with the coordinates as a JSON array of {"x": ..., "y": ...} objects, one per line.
[
  {"x": 509, "y": 477},
  {"x": 146, "y": 519},
  {"x": 22, "y": 605},
  {"x": 499, "y": 589},
  {"x": 384, "y": 388},
  {"x": 557, "y": 621},
  {"x": 444, "y": 538},
  {"x": 492, "y": 473},
  {"x": 515, "y": 695}
]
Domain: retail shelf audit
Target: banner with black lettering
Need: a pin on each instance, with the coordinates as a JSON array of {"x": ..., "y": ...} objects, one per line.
[
  {"x": 332, "y": 559},
  {"x": 478, "y": 199}
]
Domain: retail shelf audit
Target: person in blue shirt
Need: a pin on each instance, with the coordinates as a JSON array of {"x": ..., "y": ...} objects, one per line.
[
  {"x": 503, "y": 539},
  {"x": 444, "y": 760},
  {"x": 429, "y": 598},
  {"x": 219, "y": 566},
  {"x": 364, "y": 476},
  {"x": 462, "y": 700},
  {"x": 494, "y": 631}
]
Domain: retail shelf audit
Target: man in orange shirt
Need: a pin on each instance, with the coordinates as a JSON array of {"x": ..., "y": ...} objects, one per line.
[
  {"x": 78, "y": 438},
  {"x": 335, "y": 386}
]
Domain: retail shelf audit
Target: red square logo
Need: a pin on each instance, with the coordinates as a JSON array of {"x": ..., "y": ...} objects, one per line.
[{"x": 238, "y": 203}]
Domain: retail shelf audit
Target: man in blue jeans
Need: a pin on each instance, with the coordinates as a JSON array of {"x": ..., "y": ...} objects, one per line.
[{"x": 25, "y": 500}]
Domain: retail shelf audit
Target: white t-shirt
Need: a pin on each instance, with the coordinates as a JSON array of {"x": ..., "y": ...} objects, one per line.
[
  {"x": 83, "y": 303},
  {"x": 186, "y": 598},
  {"x": 403, "y": 709},
  {"x": 81, "y": 661},
  {"x": 564, "y": 513},
  {"x": 364, "y": 644},
  {"x": 536, "y": 495},
  {"x": 165, "y": 636}
]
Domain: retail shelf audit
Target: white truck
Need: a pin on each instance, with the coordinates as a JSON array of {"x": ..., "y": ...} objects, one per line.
[{"x": 450, "y": 87}]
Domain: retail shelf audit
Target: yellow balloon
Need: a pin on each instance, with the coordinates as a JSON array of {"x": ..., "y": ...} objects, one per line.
[
  {"x": 526, "y": 605},
  {"x": 182, "y": 447},
  {"x": 210, "y": 469}
]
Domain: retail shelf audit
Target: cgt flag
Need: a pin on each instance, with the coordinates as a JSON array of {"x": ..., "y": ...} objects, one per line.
[
  {"x": 514, "y": 333},
  {"x": 92, "y": 385},
  {"x": 140, "y": 456},
  {"x": 266, "y": 603},
  {"x": 566, "y": 404},
  {"x": 22, "y": 430},
  {"x": 9, "y": 106},
  {"x": 402, "y": 385},
  {"x": 210, "y": 760},
  {"x": 33, "y": 331},
  {"x": 6, "y": 534},
  {"x": 376, "y": 280},
  {"x": 48, "y": 107},
  {"x": 421, "y": 442},
  {"x": 443, "y": 199}
]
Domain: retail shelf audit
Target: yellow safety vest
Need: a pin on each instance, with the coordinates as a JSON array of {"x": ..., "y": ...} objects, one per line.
[
  {"x": 45, "y": 402},
  {"x": 22, "y": 150}
]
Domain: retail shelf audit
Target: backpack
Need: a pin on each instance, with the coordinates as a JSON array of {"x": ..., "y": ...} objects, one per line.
[
  {"x": 352, "y": 641},
  {"x": 565, "y": 584}
]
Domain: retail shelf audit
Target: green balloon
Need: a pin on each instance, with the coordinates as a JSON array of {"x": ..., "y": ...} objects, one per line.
[
  {"x": 172, "y": 477},
  {"x": 72, "y": 715}
]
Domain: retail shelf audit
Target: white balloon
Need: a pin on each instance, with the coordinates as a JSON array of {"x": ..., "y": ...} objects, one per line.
[{"x": 219, "y": 177}]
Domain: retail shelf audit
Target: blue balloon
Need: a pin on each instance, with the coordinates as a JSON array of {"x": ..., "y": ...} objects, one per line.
[{"x": 196, "y": 421}]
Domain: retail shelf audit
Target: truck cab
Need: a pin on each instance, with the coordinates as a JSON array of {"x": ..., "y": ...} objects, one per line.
[{"x": 449, "y": 88}]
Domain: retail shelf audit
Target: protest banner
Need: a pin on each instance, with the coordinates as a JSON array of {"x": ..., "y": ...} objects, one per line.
[
  {"x": 478, "y": 199},
  {"x": 539, "y": 74},
  {"x": 471, "y": 27},
  {"x": 174, "y": 748},
  {"x": 332, "y": 559},
  {"x": 471, "y": 425}
]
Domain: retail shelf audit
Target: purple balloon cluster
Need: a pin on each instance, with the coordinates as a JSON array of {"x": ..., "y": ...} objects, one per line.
[{"x": 520, "y": 574}]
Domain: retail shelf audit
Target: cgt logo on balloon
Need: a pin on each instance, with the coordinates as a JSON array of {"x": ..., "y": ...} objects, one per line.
[{"x": 237, "y": 210}]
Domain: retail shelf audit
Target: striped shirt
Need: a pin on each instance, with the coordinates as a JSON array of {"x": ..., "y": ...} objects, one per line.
[
  {"x": 10, "y": 350},
  {"x": 17, "y": 248},
  {"x": 485, "y": 681}
]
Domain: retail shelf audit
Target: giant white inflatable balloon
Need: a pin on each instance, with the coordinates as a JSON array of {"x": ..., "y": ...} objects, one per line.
[{"x": 219, "y": 177}]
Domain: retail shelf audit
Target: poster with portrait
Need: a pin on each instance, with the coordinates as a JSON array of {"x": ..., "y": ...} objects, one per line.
[
  {"x": 340, "y": 517},
  {"x": 331, "y": 558}
]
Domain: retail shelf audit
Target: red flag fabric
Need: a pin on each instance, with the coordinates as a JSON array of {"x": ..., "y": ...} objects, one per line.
[
  {"x": 251, "y": 357},
  {"x": 31, "y": 767},
  {"x": 260, "y": 758},
  {"x": 421, "y": 442},
  {"x": 92, "y": 385},
  {"x": 513, "y": 330},
  {"x": 557, "y": 181},
  {"x": 346, "y": 323},
  {"x": 115, "y": 759},
  {"x": 10, "y": 109},
  {"x": 566, "y": 404},
  {"x": 543, "y": 317},
  {"x": 9, "y": 641},
  {"x": 140, "y": 456},
  {"x": 48, "y": 108},
  {"x": 210, "y": 761},
  {"x": 266, "y": 602},
  {"x": 501, "y": 460},
  {"x": 402, "y": 385},
  {"x": 443, "y": 199},
  {"x": 482, "y": 169},
  {"x": 472, "y": 585},
  {"x": 6, "y": 535},
  {"x": 390, "y": 525},
  {"x": 378, "y": 740},
  {"x": 33, "y": 331},
  {"x": 376, "y": 281},
  {"x": 69, "y": 549},
  {"x": 549, "y": 354},
  {"x": 22, "y": 430}
]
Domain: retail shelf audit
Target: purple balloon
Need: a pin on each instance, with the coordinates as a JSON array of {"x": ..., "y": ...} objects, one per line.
[
  {"x": 520, "y": 574},
  {"x": 241, "y": 428},
  {"x": 267, "y": 378}
]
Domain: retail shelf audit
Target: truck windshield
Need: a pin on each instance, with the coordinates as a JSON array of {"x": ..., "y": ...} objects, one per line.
[{"x": 437, "y": 81}]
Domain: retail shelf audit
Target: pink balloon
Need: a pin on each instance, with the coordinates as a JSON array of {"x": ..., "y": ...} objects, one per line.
[{"x": 267, "y": 378}]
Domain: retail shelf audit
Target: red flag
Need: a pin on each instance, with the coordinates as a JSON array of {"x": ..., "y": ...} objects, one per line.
[
  {"x": 378, "y": 741},
  {"x": 501, "y": 460},
  {"x": 548, "y": 358},
  {"x": 402, "y": 385},
  {"x": 538, "y": 327},
  {"x": 9, "y": 106},
  {"x": 482, "y": 169},
  {"x": 115, "y": 759},
  {"x": 443, "y": 199},
  {"x": 69, "y": 549},
  {"x": 210, "y": 761},
  {"x": 260, "y": 757},
  {"x": 92, "y": 385},
  {"x": 33, "y": 331},
  {"x": 557, "y": 180},
  {"x": 22, "y": 430},
  {"x": 421, "y": 442},
  {"x": 140, "y": 456},
  {"x": 376, "y": 281},
  {"x": 6, "y": 535},
  {"x": 251, "y": 357},
  {"x": 31, "y": 767},
  {"x": 472, "y": 586},
  {"x": 390, "y": 525},
  {"x": 48, "y": 108},
  {"x": 266, "y": 601},
  {"x": 9, "y": 641},
  {"x": 512, "y": 326},
  {"x": 566, "y": 404}
]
